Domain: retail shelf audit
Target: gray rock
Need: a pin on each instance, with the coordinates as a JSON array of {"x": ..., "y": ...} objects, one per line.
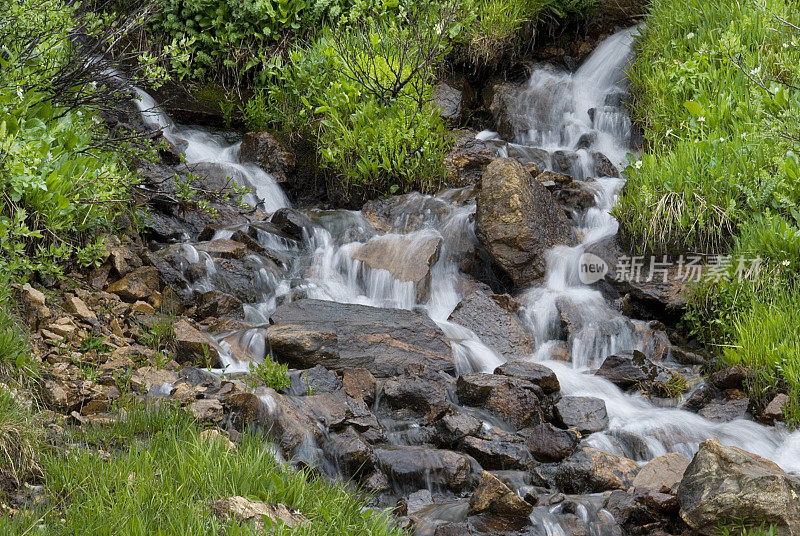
[
  {"x": 449, "y": 100},
  {"x": 550, "y": 444},
  {"x": 512, "y": 399},
  {"x": 313, "y": 381},
  {"x": 592, "y": 471},
  {"x": 584, "y": 413},
  {"x": 499, "y": 329},
  {"x": 535, "y": 373},
  {"x": 339, "y": 336},
  {"x": 603, "y": 167},
  {"x": 420, "y": 467},
  {"x": 497, "y": 452},
  {"x": 264, "y": 149}
]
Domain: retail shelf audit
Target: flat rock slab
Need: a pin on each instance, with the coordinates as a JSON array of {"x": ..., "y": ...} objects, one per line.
[{"x": 338, "y": 336}]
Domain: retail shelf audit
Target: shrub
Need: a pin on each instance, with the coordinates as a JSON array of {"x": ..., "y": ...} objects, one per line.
[{"x": 272, "y": 373}]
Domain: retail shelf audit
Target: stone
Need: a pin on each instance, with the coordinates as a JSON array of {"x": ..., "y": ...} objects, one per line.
[
  {"x": 726, "y": 410},
  {"x": 417, "y": 501},
  {"x": 723, "y": 483},
  {"x": 535, "y": 373},
  {"x": 566, "y": 162},
  {"x": 419, "y": 388},
  {"x": 242, "y": 510},
  {"x": 517, "y": 221},
  {"x": 550, "y": 444},
  {"x": 264, "y": 149},
  {"x": 453, "y": 529},
  {"x": 406, "y": 257},
  {"x": 137, "y": 285},
  {"x": 455, "y": 426},
  {"x": 584, "y": 413},
  {"x": 413, "y": 467},
  {"x": 509, "y": 119},
  {"x": 292, "y": 223},
  {"x": 33, "y": 297},
  {"x": 465, "y": 161},
  {"x": 497, "y": 328},
  {"x": 495, "y": 497},
  {"x": 729, "y": 378},
  {"x": 218, "y": 304},
  {"x": 590, "y": 470},
  {"x": 338, "y": 336},
  {"x": 144, "y": 378},
  {"x": 359, "y": 383},
  {"x": 512, "y": 399},
  {"x": 449, "y": 101},
  {"x": 213, "y": 436},
  {"x": 662, "y": 474},
  {"x": 348, "y": 450},
  {"x": 405, "y": 213},
  {"x": 191, "y": 344},
  {"x": 313, "y": 381},
  {"x": 78, "y": 307},
  {"x": 774, "y": 410},
  {"x": 207, "y": 410},
  {"x": 603, "y": 167},
  {"x": 633, "y": 369},
  {"x": 497, "y": 453},
  {"x": 222, "y": 247}
]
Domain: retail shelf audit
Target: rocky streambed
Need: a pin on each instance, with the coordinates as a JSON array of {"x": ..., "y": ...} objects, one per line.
[{"x": 446, "y": 352}]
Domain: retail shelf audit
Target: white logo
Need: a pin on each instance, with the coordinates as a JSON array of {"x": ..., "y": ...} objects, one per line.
[{"x": 591, "y": 268}]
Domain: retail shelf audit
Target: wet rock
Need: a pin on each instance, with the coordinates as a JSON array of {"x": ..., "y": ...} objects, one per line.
[
  {"x": 137, "y": 285},
  {"x": 359, "y": 383},
  {"x": 584, "y": 413},
  {"x": 420, "y": 467},
  {"x": 449, "y": 101},
  {"x": 415, "y": 502},
  {"x": 729, "y": 378},
  {"x": 405, "y": 213},
  {"x": 495, "y": 497},
  {"x": 122, "y": 259},
  {"x": 348, "y": 450},
  {"x": 603, "y": 167},
  {"x": 565, "y": 161},
  {"x": 508, "y": 120},
  {"x": 535, "y": 373},
  {"x": 687, "y": 357},
  {"x": 497, "y": 328},
  {"x": 465, "y": 162},
  {"x": 242, "y": 510},
  {"x": 453, "y": 529},
  {"x": 292, "y": 223},
  {"x": 207, "y": 410},
  {"x": 497, "y": 452},
  {"x": 726, "y": 410},
  {"x": 517, "y": 221},
  {"x": 269, "y": 153},
  {"x": 455, "y": 426},
  {"x": 592, "y": 471},
  {"x": 550, "y": 444},
  {"x": 512, "y": 399},
  {"x": 586, "y": 140},
  {"x": 218, "y": 304},
  {"x": 662, "y": 474},
  {"x": 313, "y": 381},
  {"x": 774, "y": 410},
  {"x": 144, "y": 378},
  {"x": 419, "y": 388},
  {"x": 339, "y": 336},
  {"x": 632, "y": 370},
  {"x": 191, "y": 345},
  {"x": 575, "y": 198},
  {"x": 722, "y": 483},
  {"x": 224, "y": 248},
  {"x": 629, "y": 511},
  {"x": 407, "y": 258}
]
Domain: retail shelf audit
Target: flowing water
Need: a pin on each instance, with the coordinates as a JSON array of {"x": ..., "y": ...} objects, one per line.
[{"x": 578, "y": 112}]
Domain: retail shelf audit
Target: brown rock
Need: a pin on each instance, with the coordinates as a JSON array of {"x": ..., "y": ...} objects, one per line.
[
  {"x": 215, "y": 436},
  {"x": 495, "y": 497},
  {"x": 517, "y": 221},
  {"x": 264, "y": 149},
  {"x": 590, "y": 470},
  {"x": 465, "y": 162},
  {"x": 774, "y": 410},
  {"x": 359, "y": 383},
  {"x": 662, "y": 474},
  {"x": 207, "y": 410},
  {"x": 137, "y": 285},
  {"x": 77, "y": 306},
  {"x": 191, "y": 344},
  {"x": 228, "y": 249},
  {"x": 242, "y": 510}
]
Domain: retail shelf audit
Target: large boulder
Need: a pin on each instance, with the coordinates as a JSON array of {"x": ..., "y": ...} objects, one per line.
[
  {"x": 498, "y": 328},
  {"x": 406, "y": 257},
  {"x": 662, "y": 474},
  {"x": 338, "y": 336},
  {"x": 514, "y": 400},
  {"x": 535, "y": 373},
  {"x": 550, "y": 444},
  {"x": 586, "y": 414},
  {"x": 518, "y": 220},
  {"x": 727, "y": 483},
  {"x": 420, "y": 467}
]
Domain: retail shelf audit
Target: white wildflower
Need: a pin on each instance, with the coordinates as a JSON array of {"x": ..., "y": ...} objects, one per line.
[
  {"x": 786, "y": 262},
  {"x": 689, "y": 35},
  {"x": 701, "y": 119},
  {"x": 638, "y": 164}
]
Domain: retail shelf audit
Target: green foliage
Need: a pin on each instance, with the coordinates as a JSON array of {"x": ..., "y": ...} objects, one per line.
[
  {"x": 706, "y": 88},
  {"x": 19, "y": 439},
  {"x": 59, "y": 186},
  {"x": 272, "y": 373},
  {"x": 15, "y": 356},
  {"x": 160, "y": 479},
  {"x": 740, "y": 528},
  {"x": 159, "y": 334},
  {"x": 94, "y": 342}
]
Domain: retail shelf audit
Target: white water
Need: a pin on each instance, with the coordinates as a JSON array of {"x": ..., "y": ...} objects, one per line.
[{"x": 556, "y": 105}]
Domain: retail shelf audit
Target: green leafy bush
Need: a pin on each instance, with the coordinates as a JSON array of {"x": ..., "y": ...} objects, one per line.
[{"x": 272, "y": 373}]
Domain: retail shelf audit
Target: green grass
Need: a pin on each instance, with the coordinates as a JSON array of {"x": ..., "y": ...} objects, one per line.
[
  {"x": 19, "y": 439},
  {"x": 15, "y": 358},
  {"x": 713, "y": 87},
  {"x": 160, "y": 478}
]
